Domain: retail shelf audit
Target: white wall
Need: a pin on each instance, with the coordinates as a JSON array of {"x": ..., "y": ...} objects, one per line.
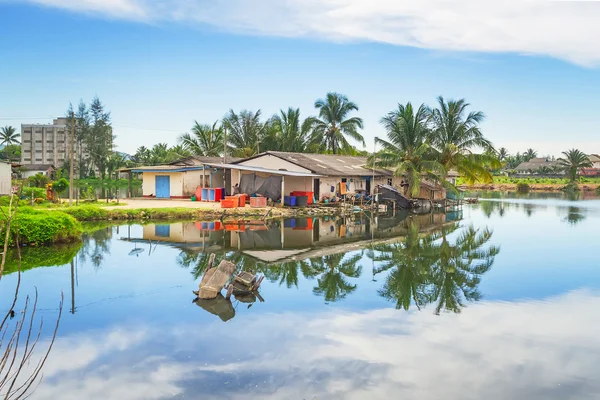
[
  {"x": 149, "y": 183},
  {"x": 297, "y": 183},
  {"x": 191, "y": 181},
  {"x": 27, "y": 174},
  {"x": 5, "y": 178},
  {"x": 272, "y": 162}
]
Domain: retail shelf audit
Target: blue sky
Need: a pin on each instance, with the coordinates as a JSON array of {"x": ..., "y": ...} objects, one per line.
[{"x": 158, "y": 65}]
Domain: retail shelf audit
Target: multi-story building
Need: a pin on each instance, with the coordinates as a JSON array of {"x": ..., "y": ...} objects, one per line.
[{"x": 46, "y": 144}]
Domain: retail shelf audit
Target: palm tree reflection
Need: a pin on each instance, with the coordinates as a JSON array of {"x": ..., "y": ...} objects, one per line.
[
  {"x": 334, "y": 269},
  {"x": 433, "y": 269}
]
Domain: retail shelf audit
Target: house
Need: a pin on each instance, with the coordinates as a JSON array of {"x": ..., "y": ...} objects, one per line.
[
  {"x": 535, "y": 164},
  {"x": 5, "y": 178},
  {"x": 28, "y": 170},
  {"x": 181, "y": 178},
  {"x": 595, "y": 169},
  {"x": 271, "y": 174}
]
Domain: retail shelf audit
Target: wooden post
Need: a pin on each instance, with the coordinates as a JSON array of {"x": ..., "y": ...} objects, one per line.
[
  {"x": 72, "y": 159},
  {"x": 203, "y": 175}
]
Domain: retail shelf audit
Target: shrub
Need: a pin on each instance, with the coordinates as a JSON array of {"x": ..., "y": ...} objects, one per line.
[
  {"x": 38, "y": 227},
  {"x": 87, "y": 212},
  {"x": 60, "y": 185},
  {"x": 44, "y": 256},
  {"x": 37, "y": 193},
  {"x": 523, "y": 187},
  {"x": 571, "y": 187}
]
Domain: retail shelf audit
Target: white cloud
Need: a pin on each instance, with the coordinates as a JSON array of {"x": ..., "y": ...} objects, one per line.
[
  {"x": 564, "y": 30},
  {"x": 493, "y": 350}
]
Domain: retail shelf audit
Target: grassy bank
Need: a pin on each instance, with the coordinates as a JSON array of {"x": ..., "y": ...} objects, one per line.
[
  {"x": 37, "y": 227},
  {"x": 509, "y": 184}
]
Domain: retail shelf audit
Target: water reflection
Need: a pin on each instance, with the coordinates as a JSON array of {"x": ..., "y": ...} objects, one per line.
[
  {"x": 434, "y": 269},
  {"x": 569, "y": 214}
]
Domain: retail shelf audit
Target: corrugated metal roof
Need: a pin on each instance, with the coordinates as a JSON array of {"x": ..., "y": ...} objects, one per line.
[
  {"x": 327, "y": 164},
  {"x": 163, "y": 168},
  {"x": 261, "y": 169}
]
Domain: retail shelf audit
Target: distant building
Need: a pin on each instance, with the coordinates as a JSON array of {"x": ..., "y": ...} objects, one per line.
[
  {"x": 534, "y": 165},
  {"x": 46, "y": 144},
  {"x": 29, "y": 170},
  {"x": 5, "y": 178},
  {"x": 595, "y": 169}
]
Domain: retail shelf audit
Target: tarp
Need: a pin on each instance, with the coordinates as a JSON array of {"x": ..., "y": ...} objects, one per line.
[{"x": 269, "y": 187}]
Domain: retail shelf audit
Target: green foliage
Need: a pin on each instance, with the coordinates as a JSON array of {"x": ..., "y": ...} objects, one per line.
[
  {"x": 35, "y": 192},
  {"x": 523, "y": 187},
  {"x": 334, "y": 123},
  {"x": 42, "y": 256},
  {"x": 38, "y": 180},
  {"x": 60, "y": 185},
  {"x": 574, "y": 160},
  {"x": 205, "y": 140},
  {"x": 44, "y": 227},
  {"x": 245, "y": 131},
  {"x": 571, "y": 187},
  {"x": 8, "y": 136}
]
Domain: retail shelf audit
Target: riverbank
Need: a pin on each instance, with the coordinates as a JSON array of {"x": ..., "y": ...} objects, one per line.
[{"x": 534, "y": 187}]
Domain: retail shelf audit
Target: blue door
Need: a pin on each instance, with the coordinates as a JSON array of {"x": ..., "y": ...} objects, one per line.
[{"x": 163, "y": 187}]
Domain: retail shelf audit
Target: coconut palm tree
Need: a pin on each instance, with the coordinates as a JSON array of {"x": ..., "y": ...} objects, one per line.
[
  {"x": 530, "y": 154},
  {"x": 8, "y": 136},
  {"x": 204, "y": 140},
  {"x": 334, "y": 124},
  {"x": 456, "y": 135},
  {"x": 574, "y": 160},
  {"x": 244, "y": 132},
  {"x": 407, "y": 149},
  {"x": 502, "y": 153},
  {"x": 290, "y": 132}
]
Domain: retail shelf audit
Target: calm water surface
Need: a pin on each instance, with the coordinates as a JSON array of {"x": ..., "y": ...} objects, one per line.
[{"x": 499, "y": 301}]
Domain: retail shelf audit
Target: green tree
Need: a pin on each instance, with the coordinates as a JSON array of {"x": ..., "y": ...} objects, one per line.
[
  {"x": 456, "y": 135},
  {"x": 60, "y": 185},
  {"x": 290, "y": 132},
  {"x": 38, "y": 180},
  {"x": 407, "y": 150},
  {"x": 334, "y": 123},
  {"x": 205, "y": 140},
  {"x": 530, "y": 154},
  {"x": 244, "y": 133},
  {"x": 502, "y": 153},
  {"x": 8, "y": 136},
  {"x": 12, "y": 152},
  {"x": 572, "y": 163}
]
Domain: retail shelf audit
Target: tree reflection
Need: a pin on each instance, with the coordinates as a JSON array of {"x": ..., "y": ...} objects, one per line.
[
  {"x": 434, "y": 269},
  {"x": 96, "y": 244},
  {"x": 334, "y": 269},
  {"x": 574, "y": 215},
  {"x": 287, "y": 272}
]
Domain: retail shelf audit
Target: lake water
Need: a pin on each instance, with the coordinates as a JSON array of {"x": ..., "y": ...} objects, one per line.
[{"x": 497, "y": 301}]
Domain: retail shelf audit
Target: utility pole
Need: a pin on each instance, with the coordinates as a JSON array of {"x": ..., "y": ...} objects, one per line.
[
  {"x": 72, "y": 162},
  {"x": 224, "y": 144}
]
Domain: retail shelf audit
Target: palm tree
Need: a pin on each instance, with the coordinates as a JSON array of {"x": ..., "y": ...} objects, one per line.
[
  {"x": 8, "y": 136},
  {"x": 334, "y": 123},
  {"x": 205, "y": 140},
  {"x": 456, "y": 134},
  {"x": 530, "y": 154},
  {"x": 407, "y": 150},
  {"x": 290, "y": 133},
  {"x": 502, "y": 153},
  {"x": 573, "y": 162},
  {"x": 244, "y": 132}
]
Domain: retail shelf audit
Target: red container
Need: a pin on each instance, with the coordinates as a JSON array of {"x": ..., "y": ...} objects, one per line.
[
  {"x": 307, "y": 194},
  {"x": 243, "y": 198},
  {"x": 258, "y": 202},
  {"x": 229, "y": 203},
  {"x": 219, "y": 194}
]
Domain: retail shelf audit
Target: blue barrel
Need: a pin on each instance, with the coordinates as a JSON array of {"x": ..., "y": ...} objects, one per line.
[
  {"x": 211, "y": 194},
  {"x": 204, "y": 194}
]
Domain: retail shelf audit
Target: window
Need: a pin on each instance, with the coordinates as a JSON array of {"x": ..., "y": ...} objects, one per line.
[
  {"x": 390, "y": 181},
  {"x": 27, "y": 141},
  {"x": 38, "y": 159},
  {"x": 27, "y": 159},
  {"x": 38, "y": 141},
  {"x": 49, "y": 151}
]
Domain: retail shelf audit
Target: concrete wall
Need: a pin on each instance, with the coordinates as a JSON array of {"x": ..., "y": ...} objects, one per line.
[
  {"x": 27, "y": 174},
  {"x": 298, "y": 183},
  {"x": 5, "y": 178},
  {"x": 191, "y": 181},
  {"x": 149, "y": 183},
  {"x": 183, "y": 232},
  {"x": 272, "y": 162}
]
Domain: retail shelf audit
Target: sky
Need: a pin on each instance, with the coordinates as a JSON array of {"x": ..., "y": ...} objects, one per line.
[{"x": 531, "y": 66}]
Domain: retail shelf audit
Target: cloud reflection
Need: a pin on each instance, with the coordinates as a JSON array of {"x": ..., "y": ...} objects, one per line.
[{"x": 494, "y": 350}]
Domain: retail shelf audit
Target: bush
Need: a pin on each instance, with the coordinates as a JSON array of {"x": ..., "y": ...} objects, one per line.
[
  {"x": 523, "y": 187},
  {"x": 38, "y": 227},
  {"x": 571, "y": 187},
  {"x": 87, "y": 213},
  {"x": 60, "y": 185},
  {"x": 38, "y": 193}
]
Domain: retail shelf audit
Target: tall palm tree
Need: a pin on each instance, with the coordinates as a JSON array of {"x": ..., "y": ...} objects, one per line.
[
  {"x": 530, "y": 154},
  {"x": 205, "y": 140},
  {"x": 456, "y": 135},
  {"x": 502, "y": 153},
  {"x": 407, "y": 150},
  {"x": 573, "y": 162},
  {"x": 290, "y": 132},
  {"x": 8, "y": 136},
  {"x": 244, "y": 132},
  {"x": 334, "y": 124}
]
